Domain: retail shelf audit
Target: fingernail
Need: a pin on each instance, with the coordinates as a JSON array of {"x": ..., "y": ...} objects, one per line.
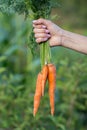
[
  {"x": 43, "y": 26},
  {"x": 49, "y": 35},
  {"x": 45, "y": 39},
  {"x": 47, "y": 31},
  {"x": 34, "y": 21}
]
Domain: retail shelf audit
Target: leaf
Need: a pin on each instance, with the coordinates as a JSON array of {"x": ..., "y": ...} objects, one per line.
[
  {"x": 3, "y": 35},
  {"x": 12, "y": 49},
  {"x": 2, "y": 69},
  {"x": 2, "y": 58},
  {"x": 16, "y": 78}
]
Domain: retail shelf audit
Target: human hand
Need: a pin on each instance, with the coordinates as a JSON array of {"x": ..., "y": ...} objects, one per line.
[{"x": 46, "y": 30}]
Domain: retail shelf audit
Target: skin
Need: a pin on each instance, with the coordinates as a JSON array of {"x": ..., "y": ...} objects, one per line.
[{"x": 46, "y": 30}]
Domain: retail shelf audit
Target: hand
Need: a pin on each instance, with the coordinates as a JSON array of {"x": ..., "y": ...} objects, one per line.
[{"x": 45, "y": 29}]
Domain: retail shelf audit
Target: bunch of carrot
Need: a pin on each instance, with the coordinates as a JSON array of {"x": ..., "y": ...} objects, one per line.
[
  {"x": 42, "y": 9},
  {"x": 48, "y": 72}
]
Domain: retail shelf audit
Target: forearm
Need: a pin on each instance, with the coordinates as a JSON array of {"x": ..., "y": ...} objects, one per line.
[{"x": 74, "y": 41}]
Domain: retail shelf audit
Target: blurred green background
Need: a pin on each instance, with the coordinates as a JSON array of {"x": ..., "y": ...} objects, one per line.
[{"x": 18, "y": 72}]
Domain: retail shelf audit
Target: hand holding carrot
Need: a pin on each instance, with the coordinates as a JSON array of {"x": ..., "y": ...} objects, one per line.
[{"x": 45, "y": 29}]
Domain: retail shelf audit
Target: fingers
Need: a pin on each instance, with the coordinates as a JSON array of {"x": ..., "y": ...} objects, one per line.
[
  {"x": 41, "y": 37},
  {"x": 42, "y": 34},
  {"x": 39, "y": 26},
  {"x": 36, "y": 30},
  {"x": 39, "y": 40},
  {"x": 42, "y": 21}
]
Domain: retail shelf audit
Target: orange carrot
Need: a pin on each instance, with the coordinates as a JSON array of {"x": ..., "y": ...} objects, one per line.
[
  {"x": 38, "y": 93},
  {"x": 44, "y": 77},
  {"x": 52, "y": 84}
]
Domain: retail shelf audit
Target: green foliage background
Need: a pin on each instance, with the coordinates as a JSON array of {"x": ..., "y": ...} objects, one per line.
[{"x": 18, "y": 72}]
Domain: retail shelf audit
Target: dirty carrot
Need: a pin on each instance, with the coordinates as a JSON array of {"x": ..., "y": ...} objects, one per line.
[
  {"x": 44, "y": 77},
  {"x": 38, "y": 93},
  {"x": 52, "y": 84}
]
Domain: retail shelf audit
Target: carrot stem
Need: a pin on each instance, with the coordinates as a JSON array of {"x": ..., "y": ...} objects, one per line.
[{"x": 45, "y": 54}]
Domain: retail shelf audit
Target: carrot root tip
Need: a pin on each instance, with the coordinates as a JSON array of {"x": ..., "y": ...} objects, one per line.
[
  {"x": 52, "y": 112},
  {"x": 34, "y": 114}
]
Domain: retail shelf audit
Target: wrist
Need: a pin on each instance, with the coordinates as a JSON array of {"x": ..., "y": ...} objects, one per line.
[
  {"x": 64, "y": 37},
  {"x": 60, "y": 35}
]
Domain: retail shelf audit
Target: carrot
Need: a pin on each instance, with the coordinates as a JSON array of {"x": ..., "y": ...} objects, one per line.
[
  {"x": 44, "y": 77},
  {"x": 52, "y": 84},
  {"x": 48, "y": 71},
  {"x": 38, "y": 93}
]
